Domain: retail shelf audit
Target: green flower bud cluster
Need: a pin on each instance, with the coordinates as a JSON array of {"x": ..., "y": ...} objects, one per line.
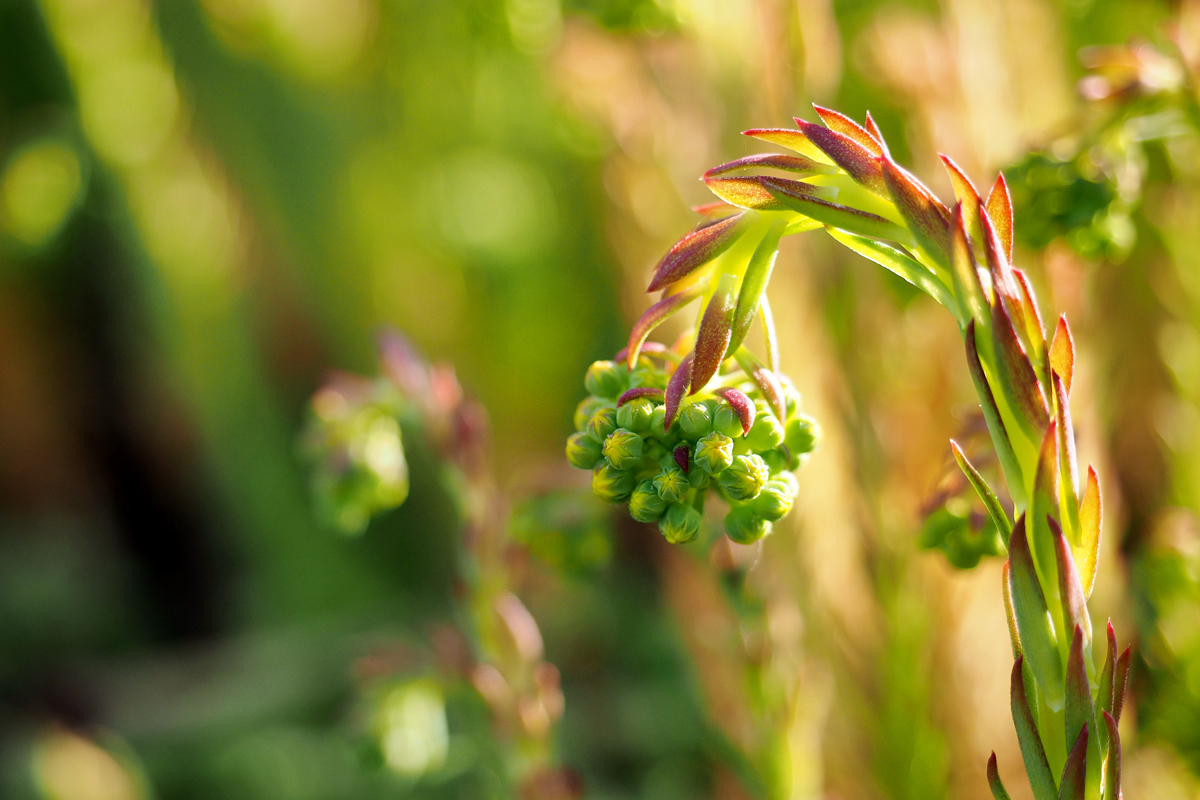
[{"x": 663, "y": 473}]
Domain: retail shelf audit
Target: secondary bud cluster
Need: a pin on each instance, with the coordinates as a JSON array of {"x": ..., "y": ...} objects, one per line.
[{"x": 727, "y": 440}]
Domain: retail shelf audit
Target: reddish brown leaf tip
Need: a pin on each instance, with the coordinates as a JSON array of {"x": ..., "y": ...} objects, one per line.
[
  {"x": 741, "y": 405},
  {"x": 640, "y": 391},
  {"x": 680, "y": 454}
]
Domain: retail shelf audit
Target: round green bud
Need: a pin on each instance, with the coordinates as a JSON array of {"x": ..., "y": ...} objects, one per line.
[
  {"x": 611, "y": 484},
  {"x": 697, "y": 477},
  {"x": 605, "y": 379},
  {"x": 746, "y": 477},
  {"x": 775, "y": 501},
  {"x": 588, "y": 407},
  {"x": 791, "y": 398},
  {"x": 635, "y": 415},
  {"x": 648, "y": 376},
  {"x": 726, "y": 421},
  {"x": 657, "y": 421},
  {"x": 744, "y": 526},
  {"x": 671, "y": 484},
  {"x": 695, "y": 420},
  {"x": 680, "y": 524},
  {"x": 776, "y": 461},
  {"x": 767, "y": 434},
  {"x": 644, "y": 504},
  {"x": 714, "y": 453},
  {"x": 583, "y": 451},
  {"x": 801, "y": 435},
  {"x": 602, "y": 423},
  {"x": 623, "y": 449},
  {"x": 653, "y": 451}
]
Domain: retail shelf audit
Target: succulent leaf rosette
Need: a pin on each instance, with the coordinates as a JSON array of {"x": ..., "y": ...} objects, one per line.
[{"x": 840, "y": 177}]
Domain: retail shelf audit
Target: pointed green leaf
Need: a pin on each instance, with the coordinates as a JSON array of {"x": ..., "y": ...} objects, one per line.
[
  {"x": 1104, "y": 691},
  {"x": 990, "y": 501},
  {"x": 1112, "y": 769},
  {"x": 1080, "y": 711},
  {"x": 1074, "y": 778},
  {"x": 754, "y": 284},
  {"x": 1016, "y": 375},
  {"x": 900, "y": 263},
  {"x": 1120, "y": 684},
  {"x": 1033, "y": 622},
  {"x": 1033, "y": 335},
  {"x": 1068, "y": 471},
  {"x": 1010, "y": 614},
  {"x": 1044, "y": 505},
  {"x": 1034, "y": 755},
  {"x": 994, "y": 782},
  {"x": 968, "y": 286},
  {"x": 1074, "y": 604},
  {"x": 991, "y": 414}
]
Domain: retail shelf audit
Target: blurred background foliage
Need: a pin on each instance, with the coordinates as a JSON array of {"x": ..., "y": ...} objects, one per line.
[{"x": 205, "y": 205}]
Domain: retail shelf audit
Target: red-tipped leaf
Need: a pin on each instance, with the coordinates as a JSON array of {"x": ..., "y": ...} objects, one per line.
[
  {"x": 1074, "y": 777},
  {"x": 792, "y": 139},
  {"x": 748, "y": 191},
  {"x": 1068, "y": 470},
  {"x": 1074, "y": 604},
  {"x": 655, "y": 316},
  {"x": 859, "y": 163},
  {"x": 697, "y": 249},
  {"x": 991, "y": 414},
  {"x": 994, "y": 782},
  {"x": 1016, "y": 374},
  {"x": 1033, "y": 625},
  {"x": 1120, "y": 684},
  {"x": 876, "y": 134},
  {"x": 927, "y": 218},
  {"x": 1032, "y": 751},
  {"x": 741, "y": 405},
  {"x": 1043, "y": 505},
  {"x": 1080, "y": 710},
  {"x": 835, "y": 215},
  {"x": 764, "y": 379},
  {"x": 716, "y": 328},
  {"x": 966, "y": 194},
  {"x": 798, "y": 164},
  {"x": 837, "y": 121},
  {"x": 1112, "y": 768},
  {"x": 676, "y": 389},
  {"x": 999, "y": 208},
  {"x": 968, "y": 285},
  {"x": 640, "y": 391}
]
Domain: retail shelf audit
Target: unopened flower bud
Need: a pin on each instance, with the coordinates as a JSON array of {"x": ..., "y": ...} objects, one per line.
[
  {"x": 635, "y": 415},
  {"x": 605, "y": 379},
  {"x": 695, "y": 420},
  {"x": 623, "y": 448},
  {"x": 680, "y": 524},
  {"x": 583, "y": 451},
  {"x": 698, "y": 478},
  {"x": 727, "y": 422},
  {"x": 611, "y": 484},
  {"x": 644, "y": 504},
  {"x": 657, "y": 420},
  {"x": 648, "y": 376},
  {"x": 802, "y": 435},
  {"x": 671, "y": 484},
  {"x": 745, "y": 478},
  {"x": 588, "y": 407},
  {"x": 767, "y": 434},
  {"x": 714, "y": 453},
  {"x": 776, "y": 499},
  {"x": 602, "y": 423},
  {"x": 744, "y": 526}
]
